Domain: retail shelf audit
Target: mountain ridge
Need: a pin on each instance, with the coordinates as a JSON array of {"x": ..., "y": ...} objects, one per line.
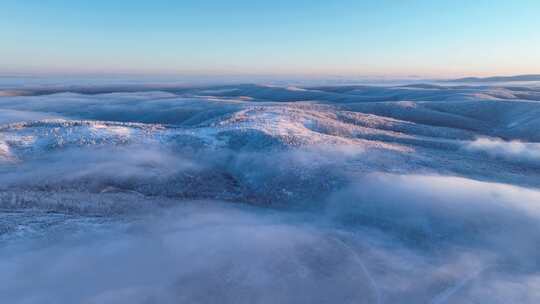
[{"x": 524, "y": 77}]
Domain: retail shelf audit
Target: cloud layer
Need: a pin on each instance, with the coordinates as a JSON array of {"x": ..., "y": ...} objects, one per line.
[
  {"x": 364, "y": 246},
  {"x": 512, "y": 151}
]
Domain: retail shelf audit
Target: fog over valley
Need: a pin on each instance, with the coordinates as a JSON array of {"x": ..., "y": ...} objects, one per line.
[{"x": 283, "y": 193}]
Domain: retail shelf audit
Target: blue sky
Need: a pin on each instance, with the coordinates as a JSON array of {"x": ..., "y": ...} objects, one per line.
[{"x": 342, "y": 37}]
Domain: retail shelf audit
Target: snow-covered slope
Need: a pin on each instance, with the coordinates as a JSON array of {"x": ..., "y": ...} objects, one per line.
[{"x": 346, "y": 192}]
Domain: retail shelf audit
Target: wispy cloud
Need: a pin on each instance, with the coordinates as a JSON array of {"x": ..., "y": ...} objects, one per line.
[{"x": 512, "y": 151}]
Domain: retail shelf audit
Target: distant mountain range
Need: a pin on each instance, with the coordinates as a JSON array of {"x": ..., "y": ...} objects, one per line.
[{"x": 530, "y": 77}]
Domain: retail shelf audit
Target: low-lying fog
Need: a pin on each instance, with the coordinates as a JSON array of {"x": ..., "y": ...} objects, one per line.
[{"x": 270, "y": 194}]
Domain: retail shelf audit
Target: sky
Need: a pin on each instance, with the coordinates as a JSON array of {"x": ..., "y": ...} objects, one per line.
[{"x": 278, "y": 37}]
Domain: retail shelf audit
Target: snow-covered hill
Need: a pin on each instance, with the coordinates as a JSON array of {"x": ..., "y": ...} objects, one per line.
[{"x": 369, "y": 194}]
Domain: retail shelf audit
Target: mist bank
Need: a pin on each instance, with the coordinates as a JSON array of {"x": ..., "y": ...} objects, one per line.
[{"x": 365, "y": 244}]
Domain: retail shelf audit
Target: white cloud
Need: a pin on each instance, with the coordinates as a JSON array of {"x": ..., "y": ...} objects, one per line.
[{"x": 514, "y": 151}]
